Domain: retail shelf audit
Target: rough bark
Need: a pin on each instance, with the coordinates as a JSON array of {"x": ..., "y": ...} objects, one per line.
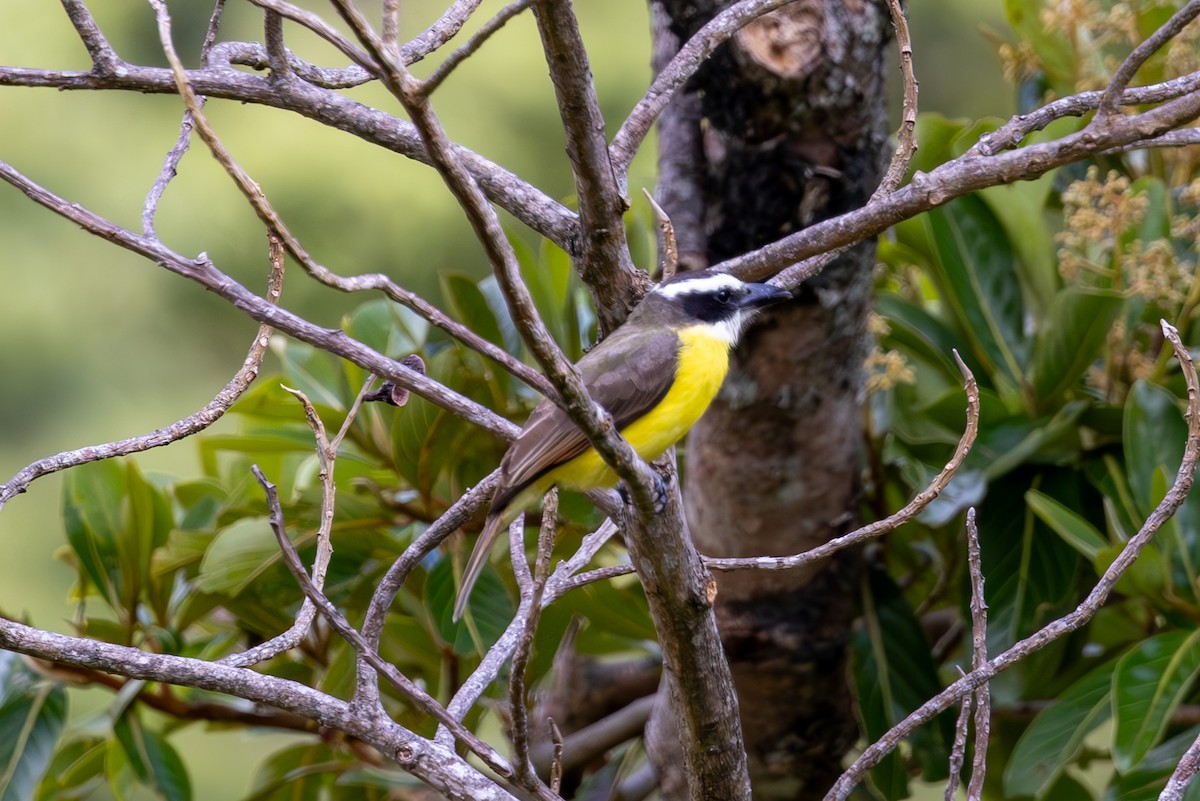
[{"x": 793, "y": 132}]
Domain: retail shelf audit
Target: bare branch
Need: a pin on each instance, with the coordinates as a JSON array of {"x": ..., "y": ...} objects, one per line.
[
  {"x": 105, "y": 61},
  {"x": 262, "y": 207},
  {"x": 440, "y": 32},
  {"x": 670, "y": 252},
  {"x": 1012, "y": 132},
  {"x": 326, "y": 455},
  {"x": 204, "y": 273},
  {"x": 398, "y": 680},
  {"x": 959, "y": 749},
  {"x": 255, "y": 56},
  {"x": 594, "y": 421},
  {"x": 194, "y": 423},
  {"x": 1183, "y": 774},
  {"x": 591, "y": 742},
  {"x": 277, "y": 54},
  {"x": 906, "y": 144},
  {"x": 390, "y": 24},
  {"x": 603, "y": 259},
  {"x": 183, "y": 141},
  {"x": 958, "y": 177},
  {"x": 983, "y": 700},
  {"x": 518, "y": 680},
  {"x": 439, "y": 767},
  {"x": 528, "y": 204},
  {"x": 1084, "y": 612},
  {"x": 691, "y": 55},
  {"x": 1111, "y": 99},
  {"x": 468, "y": 48}
]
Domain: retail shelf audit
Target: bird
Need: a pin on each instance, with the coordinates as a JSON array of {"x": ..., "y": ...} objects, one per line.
[{"x": 655, "y": 374}]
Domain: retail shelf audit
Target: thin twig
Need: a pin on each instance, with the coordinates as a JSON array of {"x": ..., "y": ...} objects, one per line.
[
  {"x": 1012, "y": 132},
  {"x": 183, "y": 141},
  {"x": 376, "y": 281},
  {"x": 468, "y": 48},
  {"x": 398, "y": 680},
  {"x": 983, "y": 700},
  {"x": 959, "y": 749},
  {"x": 595, "y": 422},
  {"x": 556, "y": 764},
  {"x": 691, "y": 55},
  {"x": 890, "y": 523},
  {"x": 105, "y": 60},
  {"x": 670, "y": 251},
  {"x": 441, "y": 31},
  {"x": 906, "y": 143},
  {"x": 1183, "y": 774},
  {"x": 1111, "y": 99},
  {"x": 584, "y": 746},
  {"x": 467, "y": 506},
  {"x": 1184, "y": 478},
  {"x": 518, "y": 680},
  {"x": 194, "y": 423},
  {"x": 277, "y": 54},
  {"x": 389, "y": 27},
  {"x": 326, "y": 456}
]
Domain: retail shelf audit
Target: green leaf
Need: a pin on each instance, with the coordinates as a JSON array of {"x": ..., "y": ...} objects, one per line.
[
  {"x": 296, "y": 773},
  {"x": 238, "y": 555},
  {"x": 93, "y": 496},
  {"x": 1030, "y": 572},
  {"x": 1154, "y": 436},
  {"x": 921, "y": 334},
  {"x": 895, "y": 674},
  {"x": 32, "y": 717},
  {"x": 1146, "y": 781},
  {"x": 489, "y": 611},
  {"x": 1075, "y": 530},
  {"x": 76, "y": 771},
  {"x": 976, "y": 272},
  {"x": 115, "y": 519},
  {"x": 471, "y": 307},
  {"x": 153, "y": 761},
  {"x": 1070, "y": 340},
  {"x": 388, "y": 327},
  {"x": 1149, "y": 684},
  {"x": 1056, "y": 736}
]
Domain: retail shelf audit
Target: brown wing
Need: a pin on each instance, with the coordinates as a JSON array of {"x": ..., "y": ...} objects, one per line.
[{"x": 627, "y": 374}]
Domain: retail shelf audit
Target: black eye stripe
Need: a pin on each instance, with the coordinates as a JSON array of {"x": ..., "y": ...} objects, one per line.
[{"x": 707, "y": 306}]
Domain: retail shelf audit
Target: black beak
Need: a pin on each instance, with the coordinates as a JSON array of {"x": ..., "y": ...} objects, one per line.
[{"x": 761, "y": 295}]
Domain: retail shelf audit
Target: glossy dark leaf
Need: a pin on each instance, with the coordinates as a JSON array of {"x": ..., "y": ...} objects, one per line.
[
  {"x": 152, "y": 760},
  {"x": 488, "y": 613},
  {"x": 33, "y": 713},
  {"x": 976, "y": 271},
  {"x": 1070, "y": 340},
  {"x": 1066, "y": 523},
  {"x": 1056, "y": 736},
  {"x": 894, "y": 674},
  {"x": 1149, "y": 684}
]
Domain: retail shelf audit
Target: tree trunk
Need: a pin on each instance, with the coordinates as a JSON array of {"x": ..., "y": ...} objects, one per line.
[{"x": 784, "y": 127}]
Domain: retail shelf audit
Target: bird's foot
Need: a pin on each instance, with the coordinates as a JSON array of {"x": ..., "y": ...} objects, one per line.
[{"x": 659, "y": 493}]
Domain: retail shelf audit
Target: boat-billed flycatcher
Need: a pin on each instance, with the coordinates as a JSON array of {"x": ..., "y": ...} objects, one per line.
[{"x": 655, "y": 374}]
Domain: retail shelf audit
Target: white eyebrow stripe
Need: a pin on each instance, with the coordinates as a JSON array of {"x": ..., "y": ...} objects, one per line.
[{"x": 709, "y": 283}]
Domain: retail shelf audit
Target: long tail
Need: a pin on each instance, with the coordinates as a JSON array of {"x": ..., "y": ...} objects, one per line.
[{"x": 479, "y": 557}]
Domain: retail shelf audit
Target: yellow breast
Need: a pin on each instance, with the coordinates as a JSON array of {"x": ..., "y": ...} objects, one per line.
[{"x": 703, "y": 363}]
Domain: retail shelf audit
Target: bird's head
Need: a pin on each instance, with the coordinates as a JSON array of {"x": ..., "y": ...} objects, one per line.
[{"x": 705, "y": 297}]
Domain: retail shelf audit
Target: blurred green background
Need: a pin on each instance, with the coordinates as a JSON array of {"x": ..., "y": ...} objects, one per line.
[{"x": 98, "y": 344}]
